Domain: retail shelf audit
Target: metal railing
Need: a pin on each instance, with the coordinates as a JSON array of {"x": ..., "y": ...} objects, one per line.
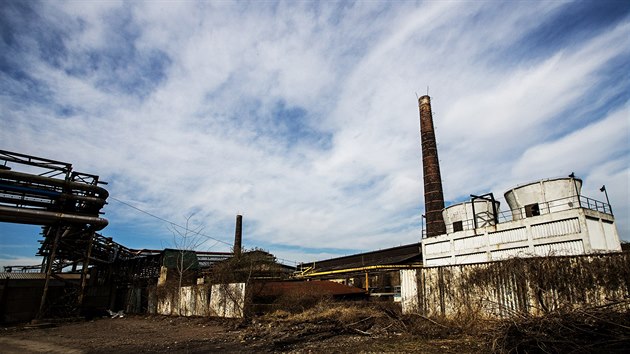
[
  {"x": 573, "y": 202},
  {"x": 592, "y": 204}
]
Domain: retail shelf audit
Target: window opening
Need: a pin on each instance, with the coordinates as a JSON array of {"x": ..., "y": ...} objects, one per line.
[{"x": 532, "y": 210}]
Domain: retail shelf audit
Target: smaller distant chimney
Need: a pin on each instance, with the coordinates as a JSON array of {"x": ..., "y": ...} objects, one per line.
[{"x": 238, "y": 235}]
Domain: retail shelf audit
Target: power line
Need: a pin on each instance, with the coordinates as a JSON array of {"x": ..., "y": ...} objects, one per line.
[
  {"x": 183, "y": 227},
  {"x": 169, "y": 222}
]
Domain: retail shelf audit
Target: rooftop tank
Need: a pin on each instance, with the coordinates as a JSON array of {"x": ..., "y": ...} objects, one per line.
[
  {"x": 543, "y": 197},
  {"x": 459, "y": 217}
]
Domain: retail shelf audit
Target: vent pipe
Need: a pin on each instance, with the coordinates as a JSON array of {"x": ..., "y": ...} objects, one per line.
[
  {"x": 433, "y": 194},
  {"x": 238, "y": 235}
]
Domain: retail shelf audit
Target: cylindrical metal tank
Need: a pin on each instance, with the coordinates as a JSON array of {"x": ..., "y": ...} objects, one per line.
[
  {"x": 543, "y": 197},
  {"x": 460, "y": 216}
]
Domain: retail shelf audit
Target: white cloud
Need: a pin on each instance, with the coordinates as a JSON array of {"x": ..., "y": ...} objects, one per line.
[
  {"x": 598, "y": 153},
  {"x": 19, "y": 261},
  {"x": 581, "y": 150}
]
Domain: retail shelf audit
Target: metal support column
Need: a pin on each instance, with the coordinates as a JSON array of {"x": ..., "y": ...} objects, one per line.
[
  {"x": 84, "y": 271},
  {"x": 51, "y": 260}
]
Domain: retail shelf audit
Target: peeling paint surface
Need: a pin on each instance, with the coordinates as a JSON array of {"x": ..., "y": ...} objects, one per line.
[
  {"x": 528, "y": 286},
  {"x": 228, "y": 300}
]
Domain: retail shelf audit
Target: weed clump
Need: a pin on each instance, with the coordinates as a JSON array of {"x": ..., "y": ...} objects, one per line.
[{"x": 603, "y": 329}]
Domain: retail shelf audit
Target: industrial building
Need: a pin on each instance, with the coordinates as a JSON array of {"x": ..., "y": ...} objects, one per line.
[
  {"x": 552, "y": 248},
  {"x": 546, "y": 217},
  {"x": 83, "y": 271},
  {"x": 378, "y": 272}
]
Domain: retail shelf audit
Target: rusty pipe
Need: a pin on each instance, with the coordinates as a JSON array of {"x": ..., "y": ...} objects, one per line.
[
  {"x": 47, "y": 194},
  {"x": 19, "y": 176},
  {"x": 38, "y": 217}
]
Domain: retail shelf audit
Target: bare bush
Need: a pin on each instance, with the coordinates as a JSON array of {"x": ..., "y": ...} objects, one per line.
[
  {"x": 248, "y": 266},
  {"x": 603, "y": 329},
  {"x": 299, "y": 302}
]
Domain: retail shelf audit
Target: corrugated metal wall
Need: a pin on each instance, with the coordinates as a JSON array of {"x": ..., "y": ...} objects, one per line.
[
  {"x": 439, "y": 247},
  {"x": 556, "y": 228},
  {"x": 509, "y": 253},
  {"x": 409, "y": 290},
  {"x": 559, "y": 248},
  {"x": 518, "y": 285},
  {"x": 507, "y": 236},
  {"x": 469, "y": 242},
  {"x": 471, "y": 258},
  {"x": 437, "y": 261}
]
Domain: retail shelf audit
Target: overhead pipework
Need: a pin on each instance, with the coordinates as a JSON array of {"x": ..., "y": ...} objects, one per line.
[
  {"x": 433, "y": 193},
  {"x": 40, "y": 191},
  {"x": 66, "y": 203},
  {"x": 56, "y": 195}
]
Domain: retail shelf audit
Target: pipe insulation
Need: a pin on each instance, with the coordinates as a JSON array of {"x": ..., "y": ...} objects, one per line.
[
  {"x": 39, "y": 217},
  {"x": 25, "y": 177}
]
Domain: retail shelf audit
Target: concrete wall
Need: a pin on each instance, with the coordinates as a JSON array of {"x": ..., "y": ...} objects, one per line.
[
  {"x": 188, "y": 301},
  {"x": 568, "y": 232},
  {"x": 519, "y": 285},
  {"x": 222, "y": 300},
  {"x": 228, "y": 300},
  {"x": 550, "y": 194}
]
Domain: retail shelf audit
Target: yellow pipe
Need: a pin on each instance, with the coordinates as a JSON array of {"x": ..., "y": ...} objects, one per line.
[
  {"x": 367, "y": 282},
  {"x": 360, "y": 269},
  {"x": 305, "y": 270}
]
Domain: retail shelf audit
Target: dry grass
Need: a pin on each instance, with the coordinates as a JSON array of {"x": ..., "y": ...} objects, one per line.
[
  {"x": 341, "y": 312},
  {"x": 603, "y": 329},
  {"x": 299, "y": 302}
]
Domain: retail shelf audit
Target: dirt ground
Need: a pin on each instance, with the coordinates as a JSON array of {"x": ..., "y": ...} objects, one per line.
[{"x": 146, "y": 334}]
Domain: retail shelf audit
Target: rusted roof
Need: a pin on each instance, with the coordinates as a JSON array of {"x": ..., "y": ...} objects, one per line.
[
  {"x": 406, "y": 254},
  {"x": 316, "y": 287}
]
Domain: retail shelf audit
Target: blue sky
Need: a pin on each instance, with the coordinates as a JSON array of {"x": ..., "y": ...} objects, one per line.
[{"x": 303, "y": 115}]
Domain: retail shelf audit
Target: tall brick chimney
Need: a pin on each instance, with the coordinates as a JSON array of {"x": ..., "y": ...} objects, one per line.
[
  {"x": 238, "y": 235},
  {"x": 433, "y": 194}
]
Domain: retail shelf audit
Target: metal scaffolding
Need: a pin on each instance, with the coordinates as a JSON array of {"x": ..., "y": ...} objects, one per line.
[{"x": 66, "y": 203}]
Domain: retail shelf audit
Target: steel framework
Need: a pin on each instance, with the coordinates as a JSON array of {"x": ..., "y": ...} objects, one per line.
[{"x": 65, "y": 202}]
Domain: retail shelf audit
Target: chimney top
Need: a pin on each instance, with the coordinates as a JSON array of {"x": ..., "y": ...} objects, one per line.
[{"x": 238, "y": 235}]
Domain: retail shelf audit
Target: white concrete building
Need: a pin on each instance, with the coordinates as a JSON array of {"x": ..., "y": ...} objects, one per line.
[{"x": 547, "y": 217}]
